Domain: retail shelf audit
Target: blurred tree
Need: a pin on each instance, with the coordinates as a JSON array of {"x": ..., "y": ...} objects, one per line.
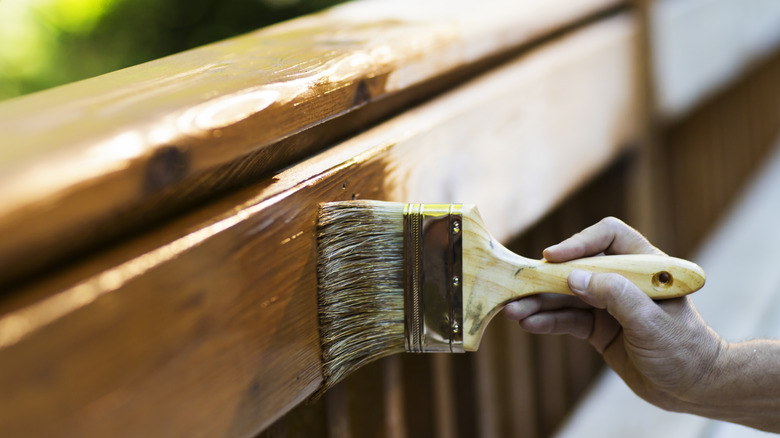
[{"x": 44, "y": 43}]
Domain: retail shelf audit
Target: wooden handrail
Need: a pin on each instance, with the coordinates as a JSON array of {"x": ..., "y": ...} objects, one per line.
[
  {"x": 216, "y": 312},
  {"x": 121, "y": 151},
  {"x": 158, "y": 251}
]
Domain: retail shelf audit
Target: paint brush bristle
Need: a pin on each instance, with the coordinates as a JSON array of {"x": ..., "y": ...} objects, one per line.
[{"x": 360, "y": 275}]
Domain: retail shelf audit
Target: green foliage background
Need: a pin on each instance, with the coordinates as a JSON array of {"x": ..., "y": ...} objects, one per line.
[{"x": 44, "y": 43}]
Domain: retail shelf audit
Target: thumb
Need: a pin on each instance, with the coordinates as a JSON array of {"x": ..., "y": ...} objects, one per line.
[{"x": 631, "y": 307}]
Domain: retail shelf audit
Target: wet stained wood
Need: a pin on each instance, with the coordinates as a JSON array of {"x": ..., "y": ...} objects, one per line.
[
  {"x": 551, "y": 397},
  {"x": 419, "y": 399},
  {"x": 220, "y": 320},
  {"x": 115, "y": 153},
  {"x": 447, "y": 419},
  {"x": 485, "y": 387},
  {"x": 366, "y": 402},
  {"x": 522, "y": 410},
  {"x": 393, "y": 389},
  {"x": 464, "y": 392},
  {"x": 208, "y": 325}
]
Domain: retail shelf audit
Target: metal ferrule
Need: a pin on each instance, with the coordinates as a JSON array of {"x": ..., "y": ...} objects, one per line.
[{"x": 433, "y": 267}]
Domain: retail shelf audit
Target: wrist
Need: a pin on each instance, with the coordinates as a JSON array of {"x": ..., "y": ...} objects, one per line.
[
  {"x": 740, "y": 387},
  {"x": 713, "y": 382},
  {"x": 706, "y": 384}
]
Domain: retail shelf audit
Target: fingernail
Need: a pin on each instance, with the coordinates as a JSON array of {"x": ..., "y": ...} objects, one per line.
[
  {"x": 521, "y": 309},
  {"x": 579, "y": 280},
  {"x": 552, "y": 247},
  {"x": 510, "y": 309},
  {"x": 514, "y": 310}
]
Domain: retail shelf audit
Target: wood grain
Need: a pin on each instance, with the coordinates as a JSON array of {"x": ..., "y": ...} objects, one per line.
[
  {"x": 418, "y": 389},
  {"x": 124, "y": 150},
  {"x": 208, "y": 325}
]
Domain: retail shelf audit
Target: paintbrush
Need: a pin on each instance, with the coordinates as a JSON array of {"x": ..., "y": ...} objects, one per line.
[{"x": 396, "y": 277}]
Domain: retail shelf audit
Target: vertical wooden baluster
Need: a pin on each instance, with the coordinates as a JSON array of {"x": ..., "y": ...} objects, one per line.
[
  {"x": 504, "y": 377},
  {"x": 465, "y": 395},
  {"x": 418, "y": 395},
  {"x": 305, "y": 421},
  {"x": 276, "y": 430},
  {"x": 550, "y": 350},
  {"x": 337, "y": 411},
  {"x": 444, "y": 395},
  {"x": 485, "y": 380},
  {"x": 582, "y": 367},
  {"x": 551, "y": 390},
  {"x": 395, "y": 420},
  {"x": 365, "y": 401},
  {"x": 520, "y": 381},
  {"x": 521, "y": 378}
]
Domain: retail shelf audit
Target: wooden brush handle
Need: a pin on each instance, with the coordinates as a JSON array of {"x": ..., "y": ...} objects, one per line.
[
  {"x": 502, "y": 276},
  {"x": 493, "y": 276},
  {"x": 658, "y": 276}
]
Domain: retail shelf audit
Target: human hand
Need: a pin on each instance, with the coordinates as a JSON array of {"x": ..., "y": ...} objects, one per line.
[{"x": 662, "y": 350}]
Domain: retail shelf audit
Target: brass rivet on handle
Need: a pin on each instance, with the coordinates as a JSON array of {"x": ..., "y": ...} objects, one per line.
[{"x": 662, "y": 280}]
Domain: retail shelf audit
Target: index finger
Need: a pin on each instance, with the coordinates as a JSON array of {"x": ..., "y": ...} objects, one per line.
[{"x": 609, "y": 236}]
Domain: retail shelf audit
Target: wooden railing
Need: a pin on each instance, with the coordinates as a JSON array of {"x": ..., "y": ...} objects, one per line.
[{"x": 157, "y": 260}]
